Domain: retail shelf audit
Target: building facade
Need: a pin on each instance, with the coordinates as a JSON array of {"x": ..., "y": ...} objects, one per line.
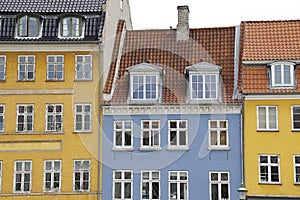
[
  {"x": 171, "y": 127},
  {"x": 270, "y": 87},
  {"x": 52, "y": 60}
]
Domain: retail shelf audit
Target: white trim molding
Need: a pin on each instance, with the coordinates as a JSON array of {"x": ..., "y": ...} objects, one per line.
[
  {"x": 17, "y": 47},
  {"x": 273, "y": 97},
  {"x": 36, "y": 92},
  {"x": 172, "y": 109}
]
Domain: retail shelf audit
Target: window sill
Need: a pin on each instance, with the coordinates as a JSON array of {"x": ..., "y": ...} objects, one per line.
[
  {"x": 296, "y": 130},
  {"x": 25, "y": 80},
  {"x": 219, "y": 148},
  {"x": 54, "y": 132},
  {"x": 83, "y": 80},
  {"x": 150, "y": 148},
  {"x": 178, "y": 148},
  {"x": 2, "y": 80},
  {"x": 263, "y": 183},
  {"x": 54, "y": 80},
  {"x": 267, "y": 130},
  {"x": 82, "y": 132},
  {"x": 297, "y": 183},
  {"x": 31, "y": 133},
  {"x": 123, "y": 149}
]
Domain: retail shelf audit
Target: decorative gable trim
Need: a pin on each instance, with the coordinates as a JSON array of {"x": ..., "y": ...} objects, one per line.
[
  {"x": 203, "y": 67},
  {"x": 145, "y": 68}
]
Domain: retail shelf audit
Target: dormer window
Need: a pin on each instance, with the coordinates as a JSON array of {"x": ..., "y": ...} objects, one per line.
[
  {"x": 282, "y": 74},
  {"x": 145, "y": 81},
  {"x": 71, "y": 27},
  {"x": 28, "y": 26},
  {"x": 203, "y": 81}
]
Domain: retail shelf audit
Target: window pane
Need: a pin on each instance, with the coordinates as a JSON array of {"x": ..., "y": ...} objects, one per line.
[
  {"x": 214, "y": 192},
  {"x": 118, "y": 190},
  {"x": 214, "y": 138},
  {"x": 287, "y": 74},
  {"x": 182, "y": 139},
  {"x": 127, "y": 190},
  {"x": 173, "y": 190},
  {"x": 223, "y": 138},
  {"x": 277, "y": 74},
  {"x": 272, "y": 117},
  {"x": 262, "y": 117},
  {"x": 224, "y": 193}
]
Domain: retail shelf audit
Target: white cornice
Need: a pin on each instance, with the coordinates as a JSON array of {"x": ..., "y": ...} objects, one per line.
[
  {"x": 172, "y": 109},
  {"x": 36, "y": 92},
  {"x": 265, "y": 62},
  {"x": 48, "y": 47},
  {"x": 273, "y": 97}
]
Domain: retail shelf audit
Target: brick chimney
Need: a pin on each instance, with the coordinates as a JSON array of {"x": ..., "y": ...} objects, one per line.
[{"x": 183, "y": 29}]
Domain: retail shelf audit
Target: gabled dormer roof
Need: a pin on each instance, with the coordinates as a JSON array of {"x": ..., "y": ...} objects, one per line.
[
  {"x": 145, "y": 67},
  {"x": 204, "y": 67},
  {"x": 51, "y": 6},
  {"x": 262, "y": 44},
  {"x": 212, "y": 46}
]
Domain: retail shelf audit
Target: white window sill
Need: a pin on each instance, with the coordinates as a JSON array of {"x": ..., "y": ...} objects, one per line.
[
  {"x": 267, "y": 130},
  {"x": 150, "y": 148},
  {"x": 123, "y": 149},
  {"x": 178, "y": 148},
  {"x": 82, "y": 132},
  {"x": 268, "y": 183},
  {"x": 219, "y": 148}
]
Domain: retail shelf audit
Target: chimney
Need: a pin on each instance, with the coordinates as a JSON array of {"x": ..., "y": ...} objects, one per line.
[{"x": 183, "y": 30}]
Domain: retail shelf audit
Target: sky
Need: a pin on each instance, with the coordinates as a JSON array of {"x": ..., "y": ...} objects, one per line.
[{"x": 162, "y": 14}]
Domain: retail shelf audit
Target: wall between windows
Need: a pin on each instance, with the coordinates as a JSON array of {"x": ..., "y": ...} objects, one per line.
[
  {"x": 198, "y": 160},
  {"x": 40, "y": 145},
  {"x": 283, "y": 142}
]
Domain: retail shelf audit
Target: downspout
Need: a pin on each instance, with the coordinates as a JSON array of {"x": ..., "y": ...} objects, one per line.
[{"x": 242, "y": 142}]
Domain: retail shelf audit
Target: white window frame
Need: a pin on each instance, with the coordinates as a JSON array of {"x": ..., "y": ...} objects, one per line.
[
  {"x": 291, "y": 74},
  {"x": 3, "y": 67},
  {"x": 123, "y": 130},
  {"x": 83, "y": 69},
  {"x": 178, "y": 183},
  {"x": 81, "y": 171},
  {"x": 293, "y": 117},
  {"x": 143, "y": 86},
  {"x": 269, "y": 165},
  {"x": 26, "y": 115},
  {"x": 296, "y": 165},
  {"x": 22, "y": 172},
  {"x": 204, "y": 86},
  {"x": 68, "y": 31},
  {"x": 26, "y": 66},
  {"x": 24, "y": 32},
  {"x": 268, "y": 128},
  {"x": 54, "y": 116},
  {"x": 150, "y": 180},
  {"x": 177, "y": 146},
  {"x": 123, "y": 180},
  {"x": 52, "y": 173},
  {"x": 218, "y": 131},
  {"x": 55, "y": 64},
  {"x": 153, "y": 132},
  {"x": 83, "y": 113},
  {"x": 219, "y": 183},
  {"x": 2, "y": 117}
]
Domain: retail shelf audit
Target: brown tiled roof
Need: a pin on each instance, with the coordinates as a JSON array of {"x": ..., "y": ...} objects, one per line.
[
  {"x": 267, "y": 41},
  {"x": 159, "y": 47},
  {"x": 271, "y": 40}
]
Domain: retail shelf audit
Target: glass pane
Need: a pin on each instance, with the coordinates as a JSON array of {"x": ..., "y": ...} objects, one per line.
[
  {"x": 214, "y": 138},
  {"x": 48, "y": 165},
  {"x": 127, "y": 175},
  {"x": 213, "y": 124},
  {"x": 173, "y": 175},
  {"x": 118, "y": 175},
  {"x": 263, "y": 159},
  {"x": 155, "y": 190},
  {"x": 27, "y": 166},
  {"x": 56, "y": 165},
  {"x": 173, "y": 138},
  {"x": 145, "y": 190},
  {"x": 224, "y": 177},
  {"x": 155, "y": 175},
  {"x": 173, "y": 124},
  {"x": 287, "y": 74},
  {"x": 214, "y": 192},
  {"x": 223, "y": 138},
  {"x": 118, "y": 189},
  {"x": 277, "y": 76},
  {"x": 272, "y": 117},
  {"x": 214, "y": 177},
  {"x": 224, "y": 191},
  {"x": 297, "y": 159},
  {"x": 182, "y": 138},
  {"x": 183, "y": 191},
  {"x": 118, "y": 138},
  {"x": 262, "y": 117},
  {"x": 128, "y": 138},
  {"x": 183, "y": 176},
  {"x": 145, "y": 176},
  {"x": 182, "y": 124},
  {"x": 173, "y": 191},
  {"x": 127, "y": 190},
  {"x": 86, "y": 165},
  {"x": 118, "y": 125},
  {"x": 274, "y": 159}
]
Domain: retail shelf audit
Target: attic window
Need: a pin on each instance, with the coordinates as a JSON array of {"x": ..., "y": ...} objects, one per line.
[
  {"x": 145, "y": 81},
  {"x": 203, "y": 81},
  {"x": 71, "y": 26},
  {"x": 282, "y": 74},
  {"x": 28, "y": 26}
]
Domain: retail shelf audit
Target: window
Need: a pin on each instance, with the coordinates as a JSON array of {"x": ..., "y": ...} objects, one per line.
[
  {"x": 71, "y": 27},
  {"x": 144, "y": 87},
  {"x": 267, "y": 118},
  {"x": 22, "y": 176},
  {"x": 297, "y": 169},
  {"x": 52, "y": 176},
  {"x": 26, "y": 68},
  {"x": 218, "y": 133},
  {"x": 178, "y": 133},
  {"x": 122, "y": 185},
  {"x": 178, "y": 185},
  {"x": 81, "y": 176},
  {"x": 296, "y": 117},
  {"x": 203, "y": 86},
  {"x": 150, "y": 188},
  {"x": 83, "y": 117},
  {"x": 83, "y": 67},
  {"x": 2, "y": 112},
  {"x": 25, "y": 118},
  {"x": 219, "y": 185},
  {"x": 269, "y": 171},
  {"x": 28, "y": 26},
  {"x": 55, "y": 67},
  {"x": 123, "y": 136},
  {"x": 2, "y": 68},
  {"x": 282, "y": 74},
  {"x": 150, "y": 133},
  {"x": 54, "y": 117}
]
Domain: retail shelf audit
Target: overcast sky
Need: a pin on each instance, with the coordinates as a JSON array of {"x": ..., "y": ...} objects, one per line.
[{"x": 161, "y": 14}]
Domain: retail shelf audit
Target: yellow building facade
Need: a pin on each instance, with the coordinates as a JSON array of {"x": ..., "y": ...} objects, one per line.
[
  {"x": 50, "y": 138},
  {"x": 281, "y": 143}
]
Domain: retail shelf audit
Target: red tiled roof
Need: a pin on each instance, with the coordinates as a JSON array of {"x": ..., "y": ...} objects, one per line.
[
  {"x": 159, "y": 47},
  {"x": 267, "y": 41},
  {"x": 271, "y": 40}
]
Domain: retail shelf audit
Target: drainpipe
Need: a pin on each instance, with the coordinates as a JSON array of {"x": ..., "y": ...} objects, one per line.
[{"x": 242, "y": 142}]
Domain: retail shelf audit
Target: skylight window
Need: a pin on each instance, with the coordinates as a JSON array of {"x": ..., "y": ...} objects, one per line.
[{"x": 28, "y": 26}]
